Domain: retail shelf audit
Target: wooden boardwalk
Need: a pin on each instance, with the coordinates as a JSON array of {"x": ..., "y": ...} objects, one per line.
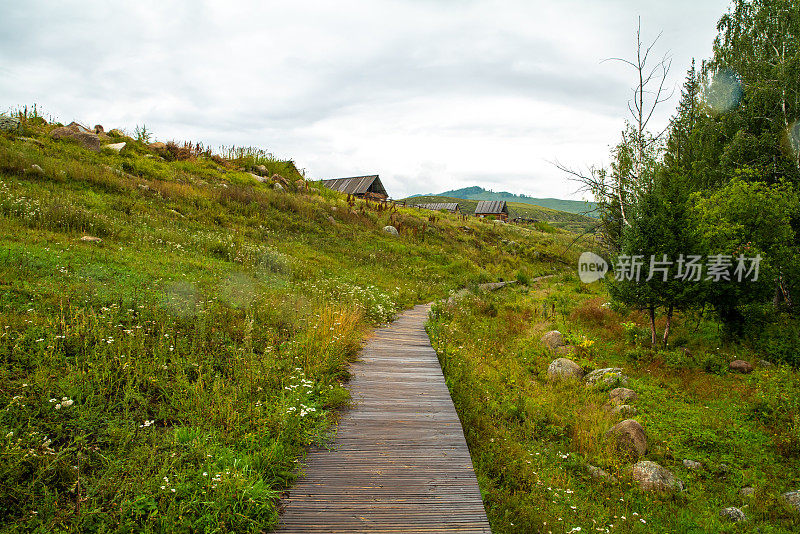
[{"x": 399, "y": 462}]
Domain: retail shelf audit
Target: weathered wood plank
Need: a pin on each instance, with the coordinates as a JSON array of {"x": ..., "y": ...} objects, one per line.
[{"x": 399, "y": 462}]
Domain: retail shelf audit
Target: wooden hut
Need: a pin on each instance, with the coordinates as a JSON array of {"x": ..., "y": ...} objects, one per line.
[
  {"x": 452, "y": 207},
  {"x": 495, "y": 208},
  {"x": 369, "y": 187}
]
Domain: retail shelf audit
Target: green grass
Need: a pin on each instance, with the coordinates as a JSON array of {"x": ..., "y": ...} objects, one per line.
[
  {"x": 171, "y": 377},
  {"x": 531, "y": 440}
]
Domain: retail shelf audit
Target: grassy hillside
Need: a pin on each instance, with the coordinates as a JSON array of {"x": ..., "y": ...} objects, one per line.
[
  {"x": 537, "y": 443},
  {"x": 479, "y": 193},
  {"x": 573, "y": 222},
  {"x": 169, "y": 377}
]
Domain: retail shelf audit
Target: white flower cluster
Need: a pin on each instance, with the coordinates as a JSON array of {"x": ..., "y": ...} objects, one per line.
[
  {"x": 147, "y": 423},
  {"x": 66, "y": 402}
]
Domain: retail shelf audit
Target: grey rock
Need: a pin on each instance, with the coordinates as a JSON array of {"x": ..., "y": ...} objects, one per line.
[
  {"x": 79, "y": 128},
  {"x": 553, "y": 339},
  {"x": 91, "y": 239},
  {"x": 89, "y": 141},
  {"x": 261, "y": 169},
  {"x": 622, "y": 395},
  {"x": 792, "y": 498},
  {"x": 35, "y": 169},
  {"x": 331, "y": 220},
  {"x": 732, "y": 514},
  {"x": 277, "y": 187},
  {"x": 764, "y": 364},
  {"x": 630, "y": 438},
  {"x": 564, "y": 368},
  {"x": 601, "y": 474},
  {"x": 650, "y": 476},
  {"x": 257, "y": 177},
  {"x": 391, "y": 230},
  {"x": 626, "y": 410},
  {"x": 608, "y": 376},
  {"x": 747, "y": 491},
  {"x": 116, "y": 133},
  {"x": 8, "y": 124},
  {"x": 691, "y": 464},
  {"x": 115, "y": 147},
  {"x": 740, "y": 366}
]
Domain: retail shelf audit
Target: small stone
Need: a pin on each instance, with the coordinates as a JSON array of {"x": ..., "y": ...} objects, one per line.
[
  {"x": 792, "y": 498},
  {"x": 553, "y": 339},
  {"x": 277, "y": 187},
  {"x": 691, "y": 464},
  {"x": 257, "y": 177},
  {"x": 91, "y": 239},
  {"x": 261, "y": 169},
  {"x": 740, "y": 366},
  {"x": 331, "y": 220},
  {"x": 564, "y": 368},
  {"x": 608, "y": 376},
  {"x": 601, "y": 474},
  {"x": 35, "y": 169},
  {"x": 115, "y": 147},
  {"x": 390, "y": 230},
  {"x": 652, "y": 477},
  {"x": 747, "y": 491},
  {"x": 116, "y": 133},
  {"x": 626, "y": 410},
  {"x": 622, "y": 395},
  {"x": 732, "y": 514},
  {"x": 8, "y": 124},
  {"x": 630, "y": 438},
  {"x": 158, "y": 145},
  {"x": 764, "y": 364}
]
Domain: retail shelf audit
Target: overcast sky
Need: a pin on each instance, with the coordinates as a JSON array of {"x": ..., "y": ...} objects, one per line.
[{"x": 431, "y": 95}]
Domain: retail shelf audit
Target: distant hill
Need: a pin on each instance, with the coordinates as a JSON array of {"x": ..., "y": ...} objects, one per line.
[
  {"x": 479, "y": 193},
  {"x": 574, "y": 222}
]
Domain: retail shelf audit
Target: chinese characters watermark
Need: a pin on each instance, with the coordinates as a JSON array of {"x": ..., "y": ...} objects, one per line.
[{"x": 688, "y": 268}]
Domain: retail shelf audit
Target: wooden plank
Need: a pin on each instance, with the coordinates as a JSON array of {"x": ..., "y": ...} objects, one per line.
[{"x": 399, "y": 462}]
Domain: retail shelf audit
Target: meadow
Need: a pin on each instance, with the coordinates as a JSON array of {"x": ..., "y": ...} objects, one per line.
[
  {"x": 537, "y": 444},
  {"x": 169, "y": 375}
]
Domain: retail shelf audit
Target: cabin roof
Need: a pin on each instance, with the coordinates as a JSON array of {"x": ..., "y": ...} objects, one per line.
[
  {"x": 437, "y": 206},
  {"x": 357, "y": 185},
  {"x": 491, "y": 207}
]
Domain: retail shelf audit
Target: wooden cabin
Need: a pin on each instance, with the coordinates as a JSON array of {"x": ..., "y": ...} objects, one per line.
[
  {"x": 369, "y": 187},
  {"x": 452, "y": 207},
  {"x": 495, "y": 208}
]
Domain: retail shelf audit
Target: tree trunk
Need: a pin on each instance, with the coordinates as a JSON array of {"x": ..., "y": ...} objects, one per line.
[
  {"x": 651, "y": 311},
  {"x": 666, "y": 328}
]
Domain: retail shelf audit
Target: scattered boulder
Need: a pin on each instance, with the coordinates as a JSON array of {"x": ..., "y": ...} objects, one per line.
[
  {"x": 8, "y": 124},
  {"x": 608, "y": 376},
  {"x": 277, "y": 187},
  {"x": 553, "y": 339},
  {"x": 257, "y": 177},
  {"x": 391, "y": 230},
  {"x": 98, "y": 129},
  {"x": 622, "y": 395},
  {"x": 732, "y": 514},
  {"x": 625, "y": 410},
  {"x": 792, "y": 498},
  {"x": 280, "y": 179},
  {"x": 601, "y": 474},
  {"x": 91, "y": 239},
  {"x": 158, "y": 145},
  {"x": 563, "y": 368},
  {"x": 115, "y": 147},
  {"x": 691, "y": 464},
  {"x": 740, "y": 366},
  {"x": 35, "y": 169},
  {"x": 89, "y": 140},
  {"x": 650, "y": 476},
  {"x": 747, "y": 491},
  {"x": 79, "y": 128},
  {"x": 117, "y": 133},
  {"x": 630, "y": 438},
  {"x": 260, "y": 169}
]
